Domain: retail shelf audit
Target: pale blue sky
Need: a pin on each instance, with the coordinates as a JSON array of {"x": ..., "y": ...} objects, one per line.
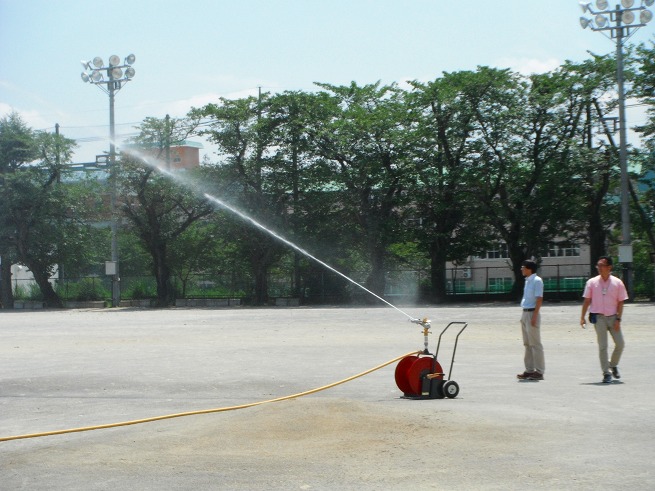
[{"x": 190, "y": 53}]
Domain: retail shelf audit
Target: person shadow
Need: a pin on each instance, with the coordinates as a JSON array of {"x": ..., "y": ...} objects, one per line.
[{"x": 601, "y": 383}]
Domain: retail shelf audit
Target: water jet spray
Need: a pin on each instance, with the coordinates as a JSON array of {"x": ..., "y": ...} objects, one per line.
[{"x": 417, "y": 376}]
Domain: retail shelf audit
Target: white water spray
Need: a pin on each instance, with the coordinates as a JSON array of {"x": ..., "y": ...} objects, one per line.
[
  {"x": 297, "y": 248},
  {"x": 147, "y": 160}
]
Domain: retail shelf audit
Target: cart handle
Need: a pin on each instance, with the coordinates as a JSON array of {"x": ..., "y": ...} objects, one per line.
[{"x": 452, "y": 360}]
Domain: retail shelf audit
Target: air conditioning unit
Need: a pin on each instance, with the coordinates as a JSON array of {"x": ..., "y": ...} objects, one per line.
[{"x": 466, "y": 273}]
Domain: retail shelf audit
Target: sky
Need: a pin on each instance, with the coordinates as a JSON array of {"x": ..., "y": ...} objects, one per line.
[{"x": 191, "y": 53}]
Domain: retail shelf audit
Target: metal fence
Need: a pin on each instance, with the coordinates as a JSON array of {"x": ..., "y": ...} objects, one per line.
[
  {"x": 564, "y": 281},
  {"x": 558, "y": 278}
]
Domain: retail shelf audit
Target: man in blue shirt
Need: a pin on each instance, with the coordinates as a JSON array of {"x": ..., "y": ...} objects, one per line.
[{"x": 533, "y": 296}]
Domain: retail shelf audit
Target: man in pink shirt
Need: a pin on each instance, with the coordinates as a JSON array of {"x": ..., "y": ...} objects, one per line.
[{"x": 604, "y": 296}]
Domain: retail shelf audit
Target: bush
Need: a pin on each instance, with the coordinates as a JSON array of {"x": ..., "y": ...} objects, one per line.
[
  {"x": 85, "y": 290},
  {"x": 215, "y": 291},
  {"x": 140, "y": 290},
  {"x": 29, "y": 292}
]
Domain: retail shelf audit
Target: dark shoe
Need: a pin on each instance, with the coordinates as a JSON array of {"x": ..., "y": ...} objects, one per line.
[
  {"x": 536, "y": 376},
  {"x": 607, "y": 378},
  {"x": 524, "y": 375},
  {"x": 615, "y": 372}
]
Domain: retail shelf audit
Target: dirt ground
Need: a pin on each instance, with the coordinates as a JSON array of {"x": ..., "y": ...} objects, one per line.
[{"x": 78, "y": 368}]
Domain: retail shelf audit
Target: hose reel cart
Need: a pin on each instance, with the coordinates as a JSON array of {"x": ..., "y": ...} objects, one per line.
[{"x": 421, "y": 376}]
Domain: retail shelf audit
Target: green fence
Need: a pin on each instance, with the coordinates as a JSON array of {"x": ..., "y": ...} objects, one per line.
[{"x": 322, "y": 287}]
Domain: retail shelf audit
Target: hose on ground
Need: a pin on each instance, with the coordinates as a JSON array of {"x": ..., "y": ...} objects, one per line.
[{"x": 203, "y": 411}]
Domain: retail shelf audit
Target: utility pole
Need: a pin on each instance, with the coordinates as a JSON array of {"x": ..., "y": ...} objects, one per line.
[{"x": 167, "y": 129}]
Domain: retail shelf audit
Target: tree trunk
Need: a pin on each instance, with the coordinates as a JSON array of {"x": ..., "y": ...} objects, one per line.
[
  {"x": 517, "y": 256},
  {"x": 261, "y": 256},
  {"x": 260, "y": 271},
  {"x": 597, "y": 231},
  {"x": 165, "y": 292},
  {"x": 296, "y": 275},
  {"x": 50, "y": 297},
  {"x": 597, "y": 238},
  {"x": 6, "y": 291},
  {"x": 376, "y": 280},
  {"x": 438, "y": 272}
]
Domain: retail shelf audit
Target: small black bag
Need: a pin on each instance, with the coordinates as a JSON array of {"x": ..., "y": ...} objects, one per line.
[{"x": 593, "y": 318}]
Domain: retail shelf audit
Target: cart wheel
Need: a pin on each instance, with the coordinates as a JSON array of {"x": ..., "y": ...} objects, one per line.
[
  {"x": 402, "y": 380},
  {"x": 451, "y": 389},
  {"x": 422, "y": 367}
]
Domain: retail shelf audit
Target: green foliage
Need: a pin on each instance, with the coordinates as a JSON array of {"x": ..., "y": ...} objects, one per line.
[
  {"x": 158, "y": 212},
  {"x": 249, "y": 179},
  {"x": 407, "y": 255},
  {"x": 644, "y": 88},
  {"x": 134, "y": 258},
  {"x": 141, "y": 289},
  {"x": 196, "y": 290},
  {"x": 29, "y": 292},
  {"x": 38, "y": 224},
  {"x": 86, "y": 289},
  {"x": 367, "y": 178},
  {"x": 18, "y": 145}
]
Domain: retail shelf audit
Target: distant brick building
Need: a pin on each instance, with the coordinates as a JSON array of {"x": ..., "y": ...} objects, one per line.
[{"x": 184, "y": 156}]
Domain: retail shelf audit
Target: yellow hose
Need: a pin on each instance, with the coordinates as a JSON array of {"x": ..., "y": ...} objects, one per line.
[{"x": 203, "y": 411}]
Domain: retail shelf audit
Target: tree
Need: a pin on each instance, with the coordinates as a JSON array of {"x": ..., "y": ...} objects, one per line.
[
  {"x": 201, "y": 249},
  {"x": 17, "y": 148},
  {"x": 243, "y": 131},
  {"x": 451, "y": 226},
  {"x": 644, "y": 197},
  {"x": 159, "y": 211},
  {"x": 594, "y": 167},
  {"x": 527, "y": 130},
  {"x": 365, "y": 143},
  {"x": 644, "y": 89},
  {"x": 156, "y": 136},
  {"x": 43, "y": 220},
  {"x": 297, "y": 174}
]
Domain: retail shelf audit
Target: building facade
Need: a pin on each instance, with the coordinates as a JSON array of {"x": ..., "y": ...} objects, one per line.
[{"x": 563, "y": 267}]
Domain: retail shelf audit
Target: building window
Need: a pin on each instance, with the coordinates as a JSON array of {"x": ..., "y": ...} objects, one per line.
[
  {"x": 563, "y": 249},
  {"x": 500, "y": 285},
  {"x": 497, "y": 251},
  {"x": 461, "y": 286}
]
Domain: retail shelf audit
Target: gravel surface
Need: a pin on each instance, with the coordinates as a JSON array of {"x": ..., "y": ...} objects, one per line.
[{"x": 80, "y": 368}]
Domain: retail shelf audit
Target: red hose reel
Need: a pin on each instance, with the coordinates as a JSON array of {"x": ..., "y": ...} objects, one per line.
[{"x": 421, "y": 376}]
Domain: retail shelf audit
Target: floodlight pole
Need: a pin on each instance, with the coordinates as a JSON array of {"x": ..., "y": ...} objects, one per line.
[
  {"x": 625, "y": 254},
  {"x": 94, "y": 74},
  {"x": 115, "y": 278},
  {"x": 620, "y": 26}
]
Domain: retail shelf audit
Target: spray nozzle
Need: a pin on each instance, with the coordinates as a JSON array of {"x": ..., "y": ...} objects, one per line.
[{"x": 425, "y": 322}]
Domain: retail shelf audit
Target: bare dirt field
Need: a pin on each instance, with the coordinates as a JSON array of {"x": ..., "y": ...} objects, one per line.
[{"x": 81, "y": 368}]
